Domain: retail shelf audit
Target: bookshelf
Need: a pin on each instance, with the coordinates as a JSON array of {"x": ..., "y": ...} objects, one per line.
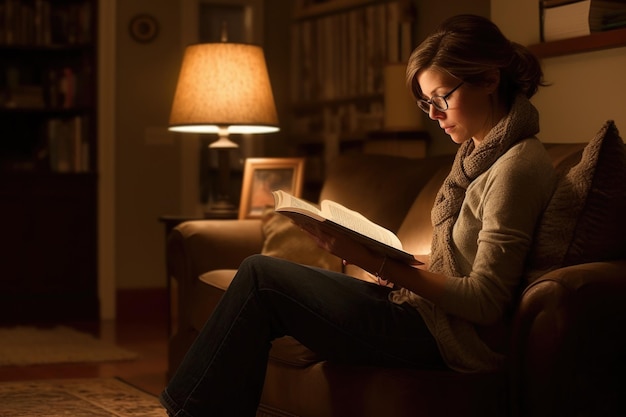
[
  {"x": 570, "y": 27},
  {"x": 339, "y": 52},
  {"x": 593, "y": 42},
  {"x": 48, "y": 185}
]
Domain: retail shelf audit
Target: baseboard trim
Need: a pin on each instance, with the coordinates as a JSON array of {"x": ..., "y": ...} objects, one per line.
[{"x": 142, "y": 303}]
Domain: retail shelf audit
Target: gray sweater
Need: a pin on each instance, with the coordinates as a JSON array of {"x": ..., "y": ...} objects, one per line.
[{"x": 492, "y": 237}]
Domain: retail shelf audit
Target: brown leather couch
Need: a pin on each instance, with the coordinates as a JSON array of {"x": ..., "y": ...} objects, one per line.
[{"x": 568, "y": 344}]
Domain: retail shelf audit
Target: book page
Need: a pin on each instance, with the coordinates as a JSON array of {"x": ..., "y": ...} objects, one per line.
[
  {"x": 356, "y": 221},
  {"x": 333, "y": 219},
  {"x": 285, "y": 200}
]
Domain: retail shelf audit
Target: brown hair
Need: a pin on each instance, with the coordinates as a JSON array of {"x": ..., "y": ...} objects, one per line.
[{"x": 469, "y": 48}]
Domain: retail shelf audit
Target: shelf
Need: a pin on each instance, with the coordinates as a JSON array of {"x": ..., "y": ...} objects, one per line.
[
  {"x": 45, "y": 111},
  {"x": 304, "y": 106},
  {"x": 58, "y": 47},
  {"x": 11, "y": 176},
  {"x": 594, "y": 42},
  {"x": 327, "y": 7}
]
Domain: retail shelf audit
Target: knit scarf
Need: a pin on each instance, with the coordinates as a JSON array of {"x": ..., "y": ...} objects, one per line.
[{"x": 471, "y": 161}]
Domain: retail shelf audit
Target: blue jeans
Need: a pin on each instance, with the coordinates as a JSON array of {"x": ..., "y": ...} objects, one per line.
[{"x": 338, "y": 317}]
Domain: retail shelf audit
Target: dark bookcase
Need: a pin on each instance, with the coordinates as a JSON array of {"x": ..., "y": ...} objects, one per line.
[{"x": 48, "y": 160}]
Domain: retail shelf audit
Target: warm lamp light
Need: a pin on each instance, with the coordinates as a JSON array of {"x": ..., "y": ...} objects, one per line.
[{"x": 223, "y": 88}]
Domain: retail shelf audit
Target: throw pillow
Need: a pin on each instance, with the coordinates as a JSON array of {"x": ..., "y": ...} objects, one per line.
[
  {"x": 285, "y": 240},
  {"x": 584, "y": 220}
]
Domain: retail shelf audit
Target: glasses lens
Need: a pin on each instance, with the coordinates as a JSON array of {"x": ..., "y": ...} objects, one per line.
[
  {"x": 423, "y": 105},
  {"x": 440, "y": 103}
]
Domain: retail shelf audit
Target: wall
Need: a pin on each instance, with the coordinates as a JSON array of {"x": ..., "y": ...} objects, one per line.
[
  {"x": 146, "y": 157},
  {"x": 587, "y": 88}
]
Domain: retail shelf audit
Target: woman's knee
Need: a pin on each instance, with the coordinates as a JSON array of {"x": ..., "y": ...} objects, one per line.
[
  {"x": 271, "y": 273},
  {"x": 258, "y": 267},
  {"x": 257, "y": 262}
]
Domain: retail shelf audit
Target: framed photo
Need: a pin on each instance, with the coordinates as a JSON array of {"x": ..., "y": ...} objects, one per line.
[{"x": 261, "y": 176}]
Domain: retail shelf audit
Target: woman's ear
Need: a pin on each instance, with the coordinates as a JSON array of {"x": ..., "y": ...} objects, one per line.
[{"x": 492, "y": 81}]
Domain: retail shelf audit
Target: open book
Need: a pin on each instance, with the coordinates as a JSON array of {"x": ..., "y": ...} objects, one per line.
[{"x": 332, "y": 218}]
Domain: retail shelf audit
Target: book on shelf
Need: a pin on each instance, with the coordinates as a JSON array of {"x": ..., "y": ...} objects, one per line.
[
  {"x": 68, "y": 150},
  {"x": 607, "y": 15},
  {"x": 42, "y": 22},
  {"x": 562, "y": 19},
  {"x": 341, "y": 56},
  {"x": 400, "y": 22},
  {"x": 25, "y": 97},
  {"x": 52, "y": 88},
  {"x": 334, "y": 219}
]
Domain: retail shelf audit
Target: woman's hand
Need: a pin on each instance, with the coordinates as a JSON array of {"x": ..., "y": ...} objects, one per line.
[
  {"x": 341, "y": 246},
  {"x": 415, "y": 278},
  {"x": 425, "y": 260}
]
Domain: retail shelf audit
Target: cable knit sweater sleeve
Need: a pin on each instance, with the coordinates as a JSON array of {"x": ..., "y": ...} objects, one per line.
[{"x": 501, "y": 207}]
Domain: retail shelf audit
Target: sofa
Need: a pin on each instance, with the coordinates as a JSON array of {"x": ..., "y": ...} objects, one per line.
[{"x": 567, "y": 344}]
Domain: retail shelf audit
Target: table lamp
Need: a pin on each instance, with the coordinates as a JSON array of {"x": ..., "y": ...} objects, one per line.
[{"x": 223, "y": 88}]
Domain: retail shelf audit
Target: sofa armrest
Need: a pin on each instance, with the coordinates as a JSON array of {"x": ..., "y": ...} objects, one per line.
[
  {"x": 568, "y": 342},
  {"x": 199, "y": 246},
  {"x": 196, "y": 247}
]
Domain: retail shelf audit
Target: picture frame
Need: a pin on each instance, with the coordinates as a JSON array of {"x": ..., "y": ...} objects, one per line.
[{"x": 261, "y": 176}]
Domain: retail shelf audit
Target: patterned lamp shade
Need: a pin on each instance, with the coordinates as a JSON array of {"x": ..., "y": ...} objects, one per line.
[{"x": 223, "y": 88}]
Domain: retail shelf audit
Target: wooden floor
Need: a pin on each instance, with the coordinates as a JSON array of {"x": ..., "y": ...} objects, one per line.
[{"x": 145, "y": 337}]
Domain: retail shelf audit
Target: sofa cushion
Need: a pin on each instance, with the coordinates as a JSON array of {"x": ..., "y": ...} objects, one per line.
[
  {"x": 584, "y": 220},
  {"x": 218, "y": 278},
  {"x": 600, "y": 232},
  {"x": 285, "y": 240},
  {"x": 204, "y": 297},
  {"x": 380, "y": 187},
  {"x": 288, "y": 351}
]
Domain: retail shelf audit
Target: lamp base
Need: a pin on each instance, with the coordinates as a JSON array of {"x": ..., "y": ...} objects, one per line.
[{"x": 222, "y": 209}]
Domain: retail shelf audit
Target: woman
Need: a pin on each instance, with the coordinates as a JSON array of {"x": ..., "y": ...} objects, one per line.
[{"x": 451, "y": 314}]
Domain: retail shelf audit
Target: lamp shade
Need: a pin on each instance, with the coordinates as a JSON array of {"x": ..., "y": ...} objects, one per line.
[{"x": 223, "y": 86}]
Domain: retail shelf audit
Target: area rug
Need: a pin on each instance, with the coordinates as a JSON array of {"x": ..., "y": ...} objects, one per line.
[
  {"x": 26, "y": 345},
  {"x": 96, "y": 397}
]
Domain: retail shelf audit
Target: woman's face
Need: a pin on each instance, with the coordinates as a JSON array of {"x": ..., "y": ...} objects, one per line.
[{"x": 470, "y": 112}]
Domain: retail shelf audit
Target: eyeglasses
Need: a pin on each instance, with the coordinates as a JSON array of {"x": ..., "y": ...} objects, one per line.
[{"x": 439, "y": 102}]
